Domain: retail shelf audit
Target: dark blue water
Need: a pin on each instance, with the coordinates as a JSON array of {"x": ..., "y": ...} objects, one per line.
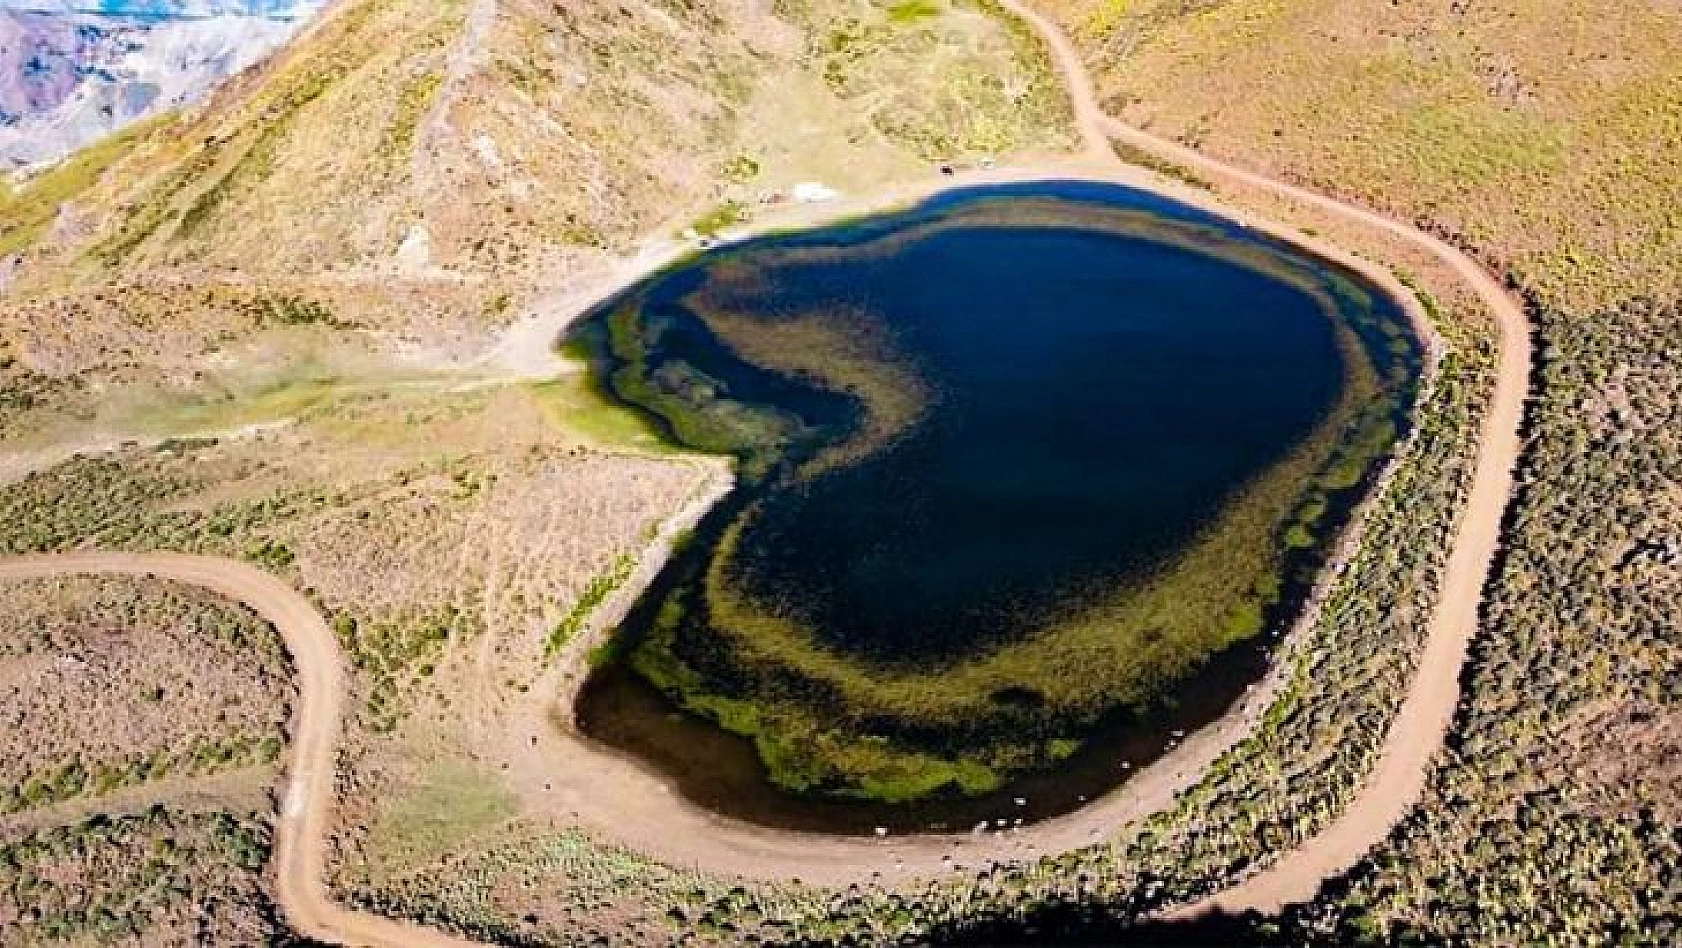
[{"x": 1086, "y": 428}]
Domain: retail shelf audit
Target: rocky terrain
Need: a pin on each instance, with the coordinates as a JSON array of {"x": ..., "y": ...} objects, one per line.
[{"x": 72, "y": 72}]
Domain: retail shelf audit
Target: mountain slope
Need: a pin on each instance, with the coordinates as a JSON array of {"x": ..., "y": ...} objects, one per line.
[
  {"x": 1545, "y": 134},
  {"x": 168, "y": 8},
  {"x": 409, "y": 174}
]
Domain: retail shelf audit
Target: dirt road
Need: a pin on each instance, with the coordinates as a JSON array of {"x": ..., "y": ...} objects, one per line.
[{"x": 1395, "y": 785}]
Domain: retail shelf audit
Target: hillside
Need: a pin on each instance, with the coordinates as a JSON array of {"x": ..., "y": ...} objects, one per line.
[
  {"x": 409, "y": 177},
  {"x": 1547, "y": 138},
  {"x": 1446, "y": 112}
]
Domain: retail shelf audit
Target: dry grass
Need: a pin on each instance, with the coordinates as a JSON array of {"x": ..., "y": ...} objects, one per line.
[
  {"x": 447, "y": 532},
  {"x": 308, "y": 249},
  {"x": 118, "y": 696},
  {"x": 433, "y": 807},
  {"x": 1545, "y": 137},
  {"x": 531, "y": 883},
  {"x": 1445, "y": 112},
  {"x": 418, "y": 517},
  {"x": 110, "y": 682}
]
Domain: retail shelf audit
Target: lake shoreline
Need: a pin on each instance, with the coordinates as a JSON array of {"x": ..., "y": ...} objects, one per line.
[
  {"x": 623, "y": 802},
  {"x": 1383, "y": 317}
]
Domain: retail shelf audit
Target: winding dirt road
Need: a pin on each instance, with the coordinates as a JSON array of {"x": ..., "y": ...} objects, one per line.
[
  {"x": 1395, "y": 785},
  {"x": 1417, "y": 733},
  {"x": 624, "y": 801}
]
